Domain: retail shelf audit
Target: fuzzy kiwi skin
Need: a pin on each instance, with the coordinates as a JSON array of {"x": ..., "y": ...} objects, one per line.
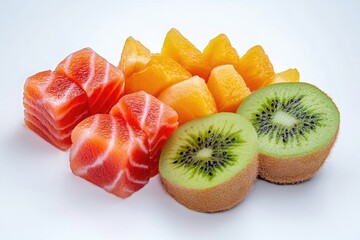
[
  {"x": 217, "y": 198},
  {"x": 293, "y": 170}
]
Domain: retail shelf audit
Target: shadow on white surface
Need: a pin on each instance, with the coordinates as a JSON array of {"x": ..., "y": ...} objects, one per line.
[{"x": 26, "y": 143}]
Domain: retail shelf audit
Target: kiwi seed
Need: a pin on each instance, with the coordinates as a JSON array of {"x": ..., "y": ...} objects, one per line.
[
  {"x": 265, "y": 122},
  {"x": 207, "y": 154}
]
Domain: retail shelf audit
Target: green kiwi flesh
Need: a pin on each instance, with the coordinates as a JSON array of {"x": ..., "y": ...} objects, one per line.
[
  {"x": 208, "y": 151},
  {"x": 291, "y": 119}
]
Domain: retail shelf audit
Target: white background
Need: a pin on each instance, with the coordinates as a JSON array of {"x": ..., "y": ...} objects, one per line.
[{"x": 41, "y": 199}]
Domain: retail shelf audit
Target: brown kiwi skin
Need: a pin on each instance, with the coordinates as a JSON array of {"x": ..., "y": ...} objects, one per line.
[
  {"x": 217, "y": 198},
  {"x": 293, "y": 170}
]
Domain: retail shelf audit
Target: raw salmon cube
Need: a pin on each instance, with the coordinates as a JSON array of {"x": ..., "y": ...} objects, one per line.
[
  {"x": 54, "y": 105},
  {"x": 155, "y": 118},
  {"x": 110, "y": 153},
  {"x": 102, "y": 81}
]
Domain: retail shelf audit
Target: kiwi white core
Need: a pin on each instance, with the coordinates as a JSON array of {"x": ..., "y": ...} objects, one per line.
[
  {"x": 204, "y": 153},
  {"x": 284, "y": 119}
]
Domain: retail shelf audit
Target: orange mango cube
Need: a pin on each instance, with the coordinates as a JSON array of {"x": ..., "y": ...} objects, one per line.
[
  {"x": 290, "y": 75},
  {"x": 227, "y": 87},
  {"x": 255, "y": 68},
  {"x": 160, "y": 73},
  {"x": 219, "y": 51},
  {"x": 191, "y": 99},
  {"x": 185, "y": 53},
  {"x": 134, "y": 57}
]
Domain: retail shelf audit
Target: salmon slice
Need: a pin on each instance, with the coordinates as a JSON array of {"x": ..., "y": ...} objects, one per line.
[
  {"x": 155, "y": 118},
  {"x": 58, "y": 134},
  {"x": 110, "y": 153},
  {"x": 96, "y": 76},
  {"x": 54, "y": 105},
  {"x": 60, "y": 124},
  {"x": 35, "y": 125},
  {"x": 116, "y": 93}
]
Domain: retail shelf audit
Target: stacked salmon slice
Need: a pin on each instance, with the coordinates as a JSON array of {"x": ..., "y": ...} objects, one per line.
[
  {"x": 115, "y": 144},
  {"x": 102, "y": 82},
  {"x": 53, "y": 106},
  {"x": 84, "y": 83}
]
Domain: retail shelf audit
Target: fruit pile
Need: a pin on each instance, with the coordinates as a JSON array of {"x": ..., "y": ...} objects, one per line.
[
  {"x": 221, "y": 79},
  {"x": 122, "y": 123}
]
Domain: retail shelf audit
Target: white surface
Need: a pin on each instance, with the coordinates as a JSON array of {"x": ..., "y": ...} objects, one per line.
[{"x": 41, "y": 199}]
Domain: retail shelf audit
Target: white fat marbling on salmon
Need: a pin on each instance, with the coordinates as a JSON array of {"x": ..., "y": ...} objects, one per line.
[
  {"x": 45, "y": 132},
  {"x": 110, "y": 187},
  {"x": 44, "y": 118},
  {"x": 142, "y": 146},
  {"x": 130, "y": 149},
  {"x": 145, "y": 111},
  {"x": 46, "y": 126},
  {"x": 67, "y": 63},
  {"x": 103, "y": 84},
  {"x": 44, "y": 101},
  {"x": 101, "y": 159},
  {"x": 120, "y": 108},
  {"x": 158, "y": 123},
  {"x": 155, "y": 144},
  {"x": 76, "y": 146},
  {"x": 110, "y": 97},
  {"x": 49, "y": 80},
  {"x": 131, "y": 132},
  {"x": 131, "y": 179},
  {"x": 50, "y": 116},
  {"x": 106, "y": 75},
  {"x": 91, "y": 70},
  {"x": 126, "y": 189},
  {"x": 172, "y": 125},
  {"x": 60, "y": 101},
  {"x": 122, "y": 82}
]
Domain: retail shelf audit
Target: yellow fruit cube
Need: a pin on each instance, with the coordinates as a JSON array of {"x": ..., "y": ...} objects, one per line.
[
  {"x": 185, "y": 53},
  {"x": 255, "y": 68},
  {"x": 134, "y": 57},
  {"x": 290, "y": 75},
  {"x": 160, "y": 73},
  {"x": 219, "y": 51},
  {"x": 191, "y": 99},
  {"x": 227, "y": 87}
]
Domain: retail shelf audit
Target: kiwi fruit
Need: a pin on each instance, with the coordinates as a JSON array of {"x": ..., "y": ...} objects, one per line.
[
  {"x": 210, "y": 164},
  {"x": 297, "y": 125}
]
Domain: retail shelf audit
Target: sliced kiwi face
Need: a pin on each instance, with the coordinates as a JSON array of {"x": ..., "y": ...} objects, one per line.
[
  {"x": 208, "y": 151},
  {"x": 291, "y": 119}
]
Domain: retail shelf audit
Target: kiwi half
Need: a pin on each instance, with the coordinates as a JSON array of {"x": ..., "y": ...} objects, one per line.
[
  {"x": 210, "y": 164},
  {"x": 296, "y": 124}
]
